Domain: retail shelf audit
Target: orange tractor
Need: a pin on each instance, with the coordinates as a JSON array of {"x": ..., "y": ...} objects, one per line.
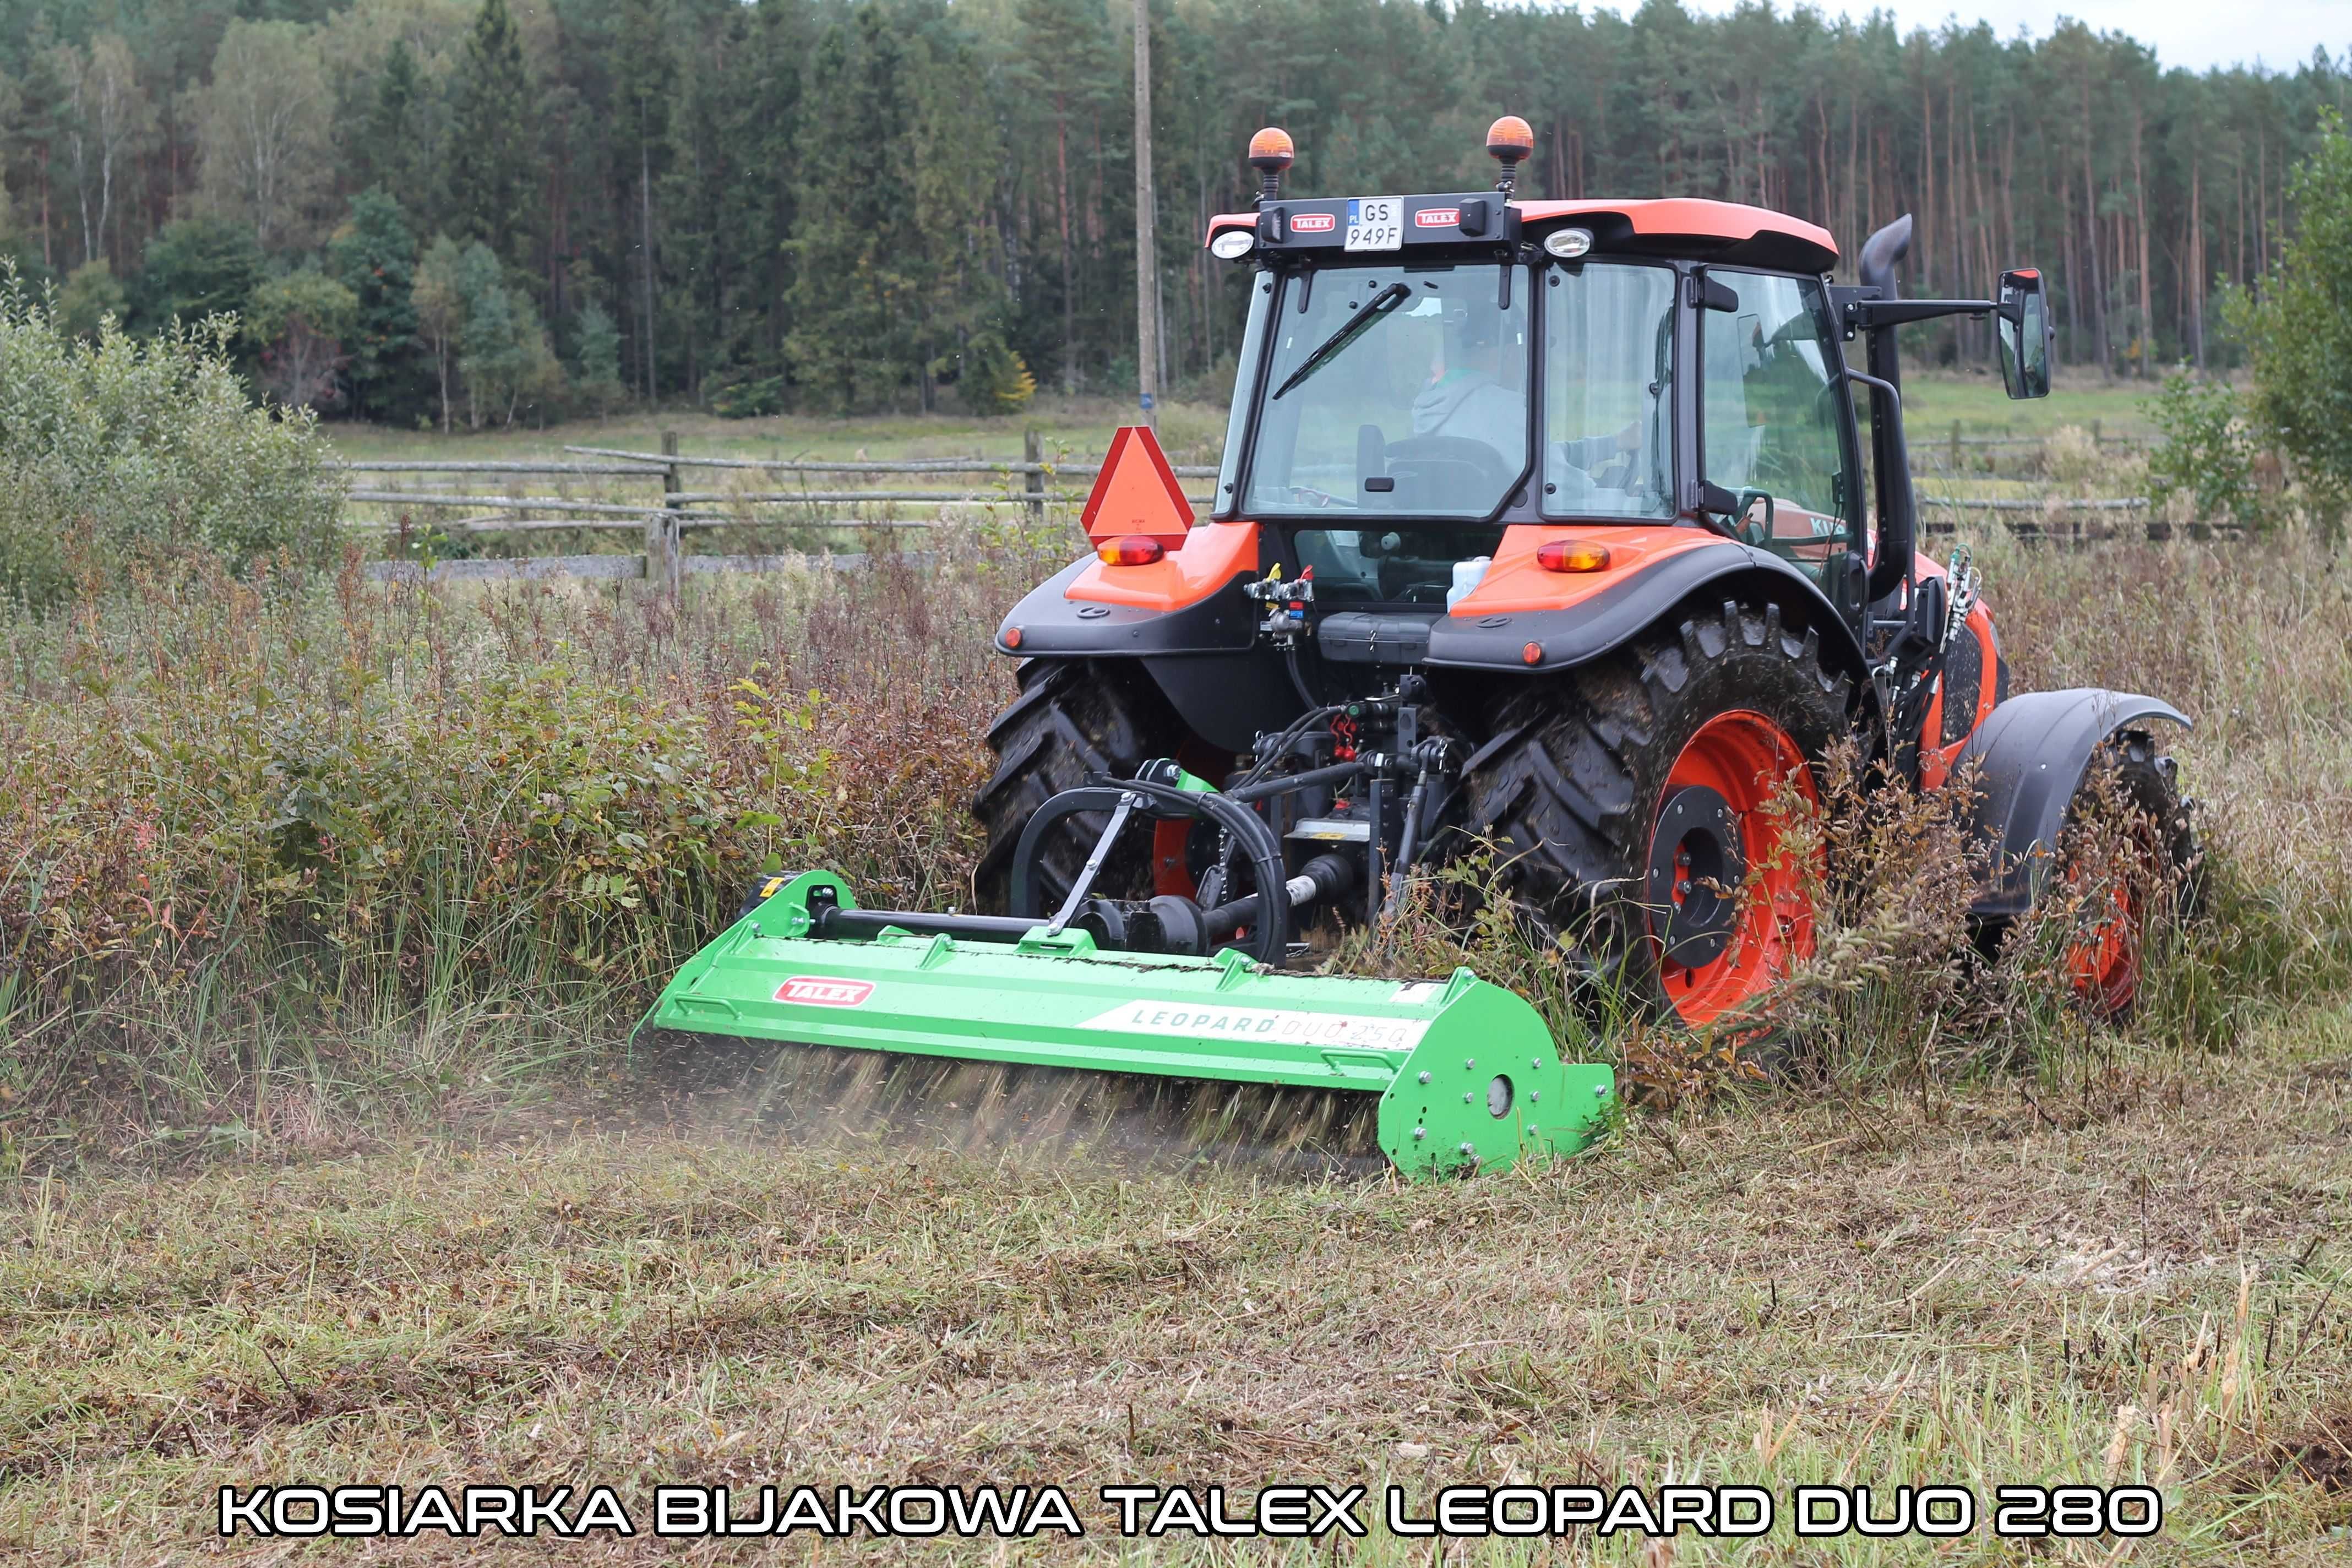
[
  {"x": 1550, "y": 525},
  {"x": 1543, "y": 525}
]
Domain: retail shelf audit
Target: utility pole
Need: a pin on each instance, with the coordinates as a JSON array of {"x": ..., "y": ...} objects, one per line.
[
  {"x": 1147, "y": 242},
  {"x": 645, "y": 240}
]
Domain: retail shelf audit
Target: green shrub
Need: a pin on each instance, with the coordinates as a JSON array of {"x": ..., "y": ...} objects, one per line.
[
  {"x": 2209, "y": 454},
  {"x": 995, "y": 379},
  {"x": 748, "y": 396},
  {"x": 91, "y": 294},
  {"x": 2298, "y": 328},
  {"x": 114, "y": 451}
]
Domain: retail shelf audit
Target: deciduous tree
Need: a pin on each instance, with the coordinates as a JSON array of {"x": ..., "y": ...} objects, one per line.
[{"x": 261, "y": 131}]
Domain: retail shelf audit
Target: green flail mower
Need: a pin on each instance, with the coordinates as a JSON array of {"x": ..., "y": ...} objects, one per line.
[{"x": 1461, "y": 1075}]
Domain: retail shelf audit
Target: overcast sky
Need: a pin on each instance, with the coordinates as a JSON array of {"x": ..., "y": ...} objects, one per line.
[{"x": 2281, "y": 33}]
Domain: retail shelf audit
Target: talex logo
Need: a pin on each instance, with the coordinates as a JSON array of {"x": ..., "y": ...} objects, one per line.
[
  {"x": 816, "y": 991},
  {"x": 1437, "y": 218},
  {"x": 1313, "y": 223}
]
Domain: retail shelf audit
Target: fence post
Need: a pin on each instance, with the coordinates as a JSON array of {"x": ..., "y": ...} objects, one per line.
[
  {"x": 661, "y": 531},
  {"x": 1956, "y": 446},
  {"x": 2097, "y": 435},
  {"x": 1032, "y": 453}
]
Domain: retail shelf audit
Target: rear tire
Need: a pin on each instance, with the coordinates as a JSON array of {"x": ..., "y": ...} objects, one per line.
[
  {"x": 1072, "y": 716},
  {"x": 1571, "y": 789}
]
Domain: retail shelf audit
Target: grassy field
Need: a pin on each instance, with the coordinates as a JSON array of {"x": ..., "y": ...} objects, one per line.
[
  {"x": 1933, "y": 401},
  {"x": 1193, "y": 432},
  {"x": 2138, "y": 1279},
  {"x": 1079, "y": 427}
]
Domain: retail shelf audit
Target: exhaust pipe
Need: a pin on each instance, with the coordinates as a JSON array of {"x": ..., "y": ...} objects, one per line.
[{"x": 1899, "y": 512}]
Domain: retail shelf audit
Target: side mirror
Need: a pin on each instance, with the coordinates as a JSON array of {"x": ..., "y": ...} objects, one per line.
[{"x": 2025, "y": 333}]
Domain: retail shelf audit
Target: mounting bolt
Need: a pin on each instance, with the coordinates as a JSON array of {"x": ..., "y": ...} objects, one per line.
[
  {"x": 1424, "y": 1078},
  {"x": 1682, "y": 888},
  {"x": 1534, "y": 1095},
  {"x": 1465, "y": 1097},
  {"x": 1467, "y": 1149},
  {"x": 1419, "y": 1134},
  {"x": 1682, "y": 858},
  {"x": 1469, "y": 1062},
  {"x": 1600, "y": 1091}
]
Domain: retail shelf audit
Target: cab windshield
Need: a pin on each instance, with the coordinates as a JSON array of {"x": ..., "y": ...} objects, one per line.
[{"x": 1393, "y": 390}]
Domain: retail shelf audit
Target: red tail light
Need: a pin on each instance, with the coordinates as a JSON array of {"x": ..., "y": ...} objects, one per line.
[
  {"x": 1572, "y": 556},
  {"x": 1130, "y": 550}
]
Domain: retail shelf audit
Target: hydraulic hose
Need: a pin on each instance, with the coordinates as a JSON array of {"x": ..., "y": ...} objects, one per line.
[{"x": 1270, "y": 920}]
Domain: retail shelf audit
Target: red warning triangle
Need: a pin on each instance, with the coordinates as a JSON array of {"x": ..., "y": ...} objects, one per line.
[{"x": 1136, "y": 491}]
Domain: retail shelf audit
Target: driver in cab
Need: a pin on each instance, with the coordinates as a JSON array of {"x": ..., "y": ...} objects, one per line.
[{"x": 1465, "y": 395}]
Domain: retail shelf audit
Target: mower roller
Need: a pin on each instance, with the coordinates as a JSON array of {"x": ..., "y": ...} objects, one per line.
[{"x": 1544, "y": 531}]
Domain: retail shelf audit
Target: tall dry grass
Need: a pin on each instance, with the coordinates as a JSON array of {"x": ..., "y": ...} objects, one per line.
[
  {"x": 2253, "y": 641},
  {"x": 238, "y": 818},
  {"x": 388, "y": 840}
]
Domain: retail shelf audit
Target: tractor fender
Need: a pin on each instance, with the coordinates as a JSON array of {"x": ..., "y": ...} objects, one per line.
[
  {"x": 1564, "y": 638},
  {"x": 2030, "y": 754},
  {"x": 1052, "y": 624},
  {"x": 1206, "y": 656}
]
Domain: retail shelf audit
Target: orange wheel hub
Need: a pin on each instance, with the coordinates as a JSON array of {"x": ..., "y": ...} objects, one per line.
[
  {"x": 2103, "y": 963},
  {"x": 1728, "y": 909}
]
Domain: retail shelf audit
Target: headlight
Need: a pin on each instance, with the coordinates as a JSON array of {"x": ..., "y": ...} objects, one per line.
[
  {"x": 1233, "y": 245},
  {"x": 1568, "y": 244}
]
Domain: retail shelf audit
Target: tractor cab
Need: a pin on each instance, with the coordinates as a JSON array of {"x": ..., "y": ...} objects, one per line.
[{"x": 1420, "y": 375}]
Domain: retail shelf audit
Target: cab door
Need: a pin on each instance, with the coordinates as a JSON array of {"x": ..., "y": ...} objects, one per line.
[{"x": 1776, "y": 428}]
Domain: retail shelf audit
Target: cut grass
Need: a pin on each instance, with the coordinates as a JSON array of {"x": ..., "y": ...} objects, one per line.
[{"x": 2136, "y": 1277}]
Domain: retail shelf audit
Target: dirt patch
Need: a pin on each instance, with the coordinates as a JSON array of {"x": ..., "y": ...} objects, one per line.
[{"x": 2320, "y": 1451}]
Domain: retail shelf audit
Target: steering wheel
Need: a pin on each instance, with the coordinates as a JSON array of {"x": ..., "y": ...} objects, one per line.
[{"x": 1434, "y": 462}]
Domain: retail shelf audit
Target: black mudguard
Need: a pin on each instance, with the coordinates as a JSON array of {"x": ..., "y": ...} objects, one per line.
[
  {"x": 2030, "y": 756},
  {"x": 1054, "y": 626},
  {"x": 1613, "y": 617},
  {"x": 1224, "y": 683}
]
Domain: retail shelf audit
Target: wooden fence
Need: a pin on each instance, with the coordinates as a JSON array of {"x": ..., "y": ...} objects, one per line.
[{"x": 1027, "y": 487}]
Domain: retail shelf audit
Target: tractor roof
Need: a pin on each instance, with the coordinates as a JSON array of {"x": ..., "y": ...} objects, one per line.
[{"x": 1674, "y": 225}]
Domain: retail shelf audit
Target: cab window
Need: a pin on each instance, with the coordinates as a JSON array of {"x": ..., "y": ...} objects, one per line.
[
  {"x": 1609, "y": 339},
  {"x": 1772, "y": 416}
]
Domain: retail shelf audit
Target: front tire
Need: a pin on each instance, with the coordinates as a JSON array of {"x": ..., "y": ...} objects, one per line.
[
  {"x": 1627, "y": 800},
  {"x": 2104, "y": 959}
]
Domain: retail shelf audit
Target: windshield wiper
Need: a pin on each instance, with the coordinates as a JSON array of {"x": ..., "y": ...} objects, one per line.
[{"x": 1378, "y": 305}]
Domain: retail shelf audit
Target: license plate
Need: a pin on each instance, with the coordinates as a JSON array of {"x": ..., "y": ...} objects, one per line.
[{"x": 1375, "y": 223}]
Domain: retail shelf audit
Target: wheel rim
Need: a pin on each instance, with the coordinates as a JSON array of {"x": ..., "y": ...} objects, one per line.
[
  {"x": 2103, "y": 962},
  {"x": 1715, "y": 949}
]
